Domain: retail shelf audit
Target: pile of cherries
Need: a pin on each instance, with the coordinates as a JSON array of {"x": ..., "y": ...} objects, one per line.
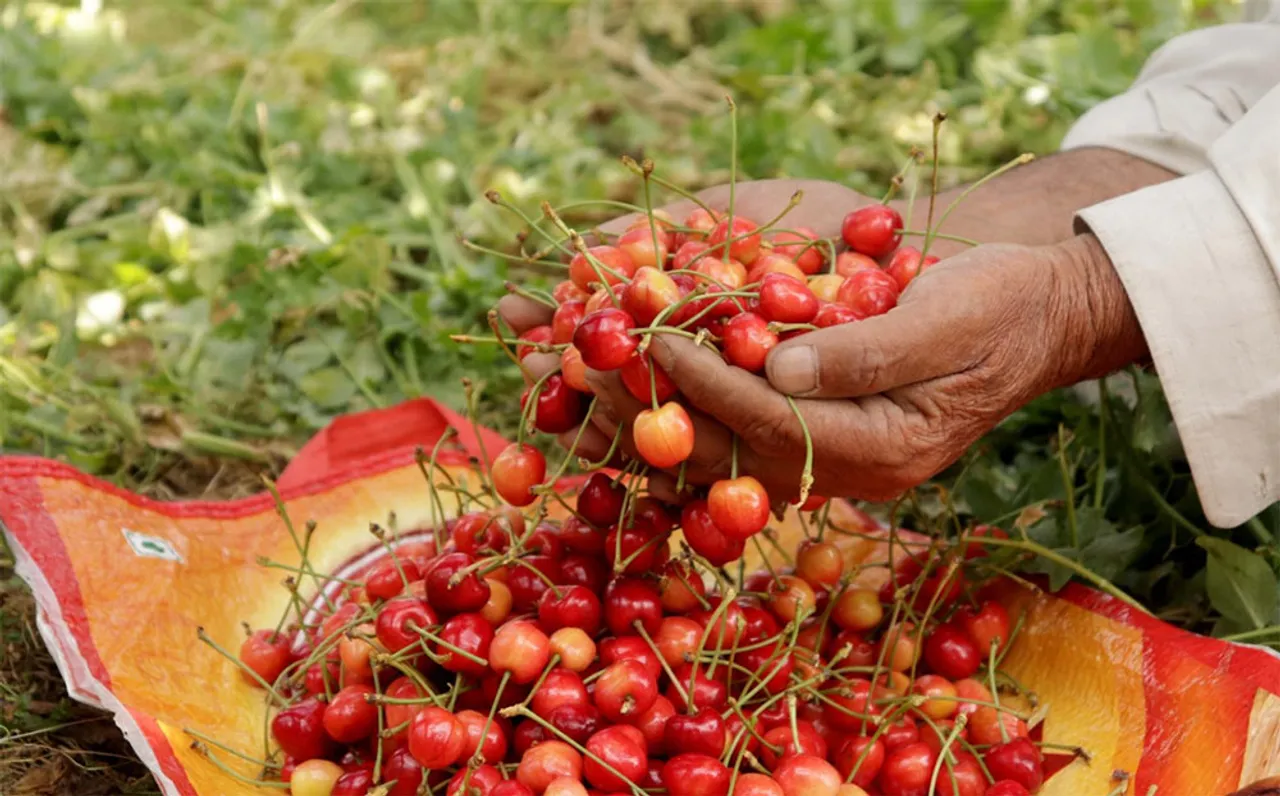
[{"x": 510, "y": 657}]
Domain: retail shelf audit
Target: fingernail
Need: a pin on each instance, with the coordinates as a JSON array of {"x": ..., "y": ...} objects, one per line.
[{"x": 794, "y": 370}]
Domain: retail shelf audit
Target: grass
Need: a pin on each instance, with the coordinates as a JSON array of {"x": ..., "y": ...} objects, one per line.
[{"x": 223, "y": 224}]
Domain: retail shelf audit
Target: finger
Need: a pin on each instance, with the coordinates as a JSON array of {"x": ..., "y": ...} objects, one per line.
[
  {"x": 592, "y": 445},
  {"x": 914, "y": 342},
  {"x": 538, "y": 364},
  {"x": 523, "y": 314}
]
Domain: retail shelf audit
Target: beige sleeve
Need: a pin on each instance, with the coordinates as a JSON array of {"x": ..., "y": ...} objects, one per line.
[{"x": 1200, "y": 255}]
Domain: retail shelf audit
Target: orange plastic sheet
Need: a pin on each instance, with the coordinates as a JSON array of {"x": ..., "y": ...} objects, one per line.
[{"x": 122, "y": 583}]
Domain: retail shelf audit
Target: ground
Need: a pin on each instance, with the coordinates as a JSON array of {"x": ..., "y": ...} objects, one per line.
[{"x": 227, "y": 222}]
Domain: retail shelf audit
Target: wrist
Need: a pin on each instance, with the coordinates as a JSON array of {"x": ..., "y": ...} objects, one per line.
[{"x": 1096, "y": 329}]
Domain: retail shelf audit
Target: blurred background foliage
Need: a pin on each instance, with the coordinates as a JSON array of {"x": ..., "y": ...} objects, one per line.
[{"x": 223, "y": 223}]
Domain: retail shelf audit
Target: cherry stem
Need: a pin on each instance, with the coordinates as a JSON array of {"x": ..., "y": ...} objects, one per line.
[
  {"x": 938, "y": 119},
  {"x": 1044, "y": 552},
  {"x": 1020, "y": 160},
  {"x": 551, "y": 728},
  {"x": 266, "y": 764},
  {"x": 733, "y": 168},
  {"x": 432, "y": 637},
  {"x": 204, "y": 752},
  {"x": 733, "y": 458},
  {"x": 268, "y": 687},
  {"x": 631, "y": 164},
  {"x": 437, "y": 505},
  {"x": 529, "y": 416},
  {"x": 477, "y": 759},
  {"x": 470, "y": 394},
  {"x": 492, "y": 318},
  {"x": 806, "y": 475},
  {"x": 303, "y": 547},
  {"x": 522, "y": 259},
  {"x": 540, "y": 575},
  {"x": 496, "y": 198},
  {"x": 666, "y": 667},
  {"x": 941, "y": 236},
  {"x": 588, "y": 466},
  {"x": 944, "y": 756}
]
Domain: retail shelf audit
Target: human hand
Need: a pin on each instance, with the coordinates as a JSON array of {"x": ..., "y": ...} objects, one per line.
[{"x": 971, "y": 340}]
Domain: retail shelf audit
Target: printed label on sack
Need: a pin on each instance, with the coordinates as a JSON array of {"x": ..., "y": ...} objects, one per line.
[{"x": 145, "y": 546}]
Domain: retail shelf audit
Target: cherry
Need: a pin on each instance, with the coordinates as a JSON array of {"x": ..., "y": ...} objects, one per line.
[
  {"x": 436, "y": 738},
  {"x": 834, "y": 315},
  {"x": 395, "y": 714},
  {"x": 498, "y": 606},
  {"x": 653, "y": 723},
  {"x": 451, "y": 592},
  {"x": 625, "y": 690},
  {"x": 941, "y": 703},
  {"x": 756, "y": 785},
  {"x": 529, "y": 579},
  {"x": 747, "y": 246},
  {"x": 951, "y": 653},
  {"x": 558, "y": 408},
  {"x": 600, "y": 503},
  {"x": 758, "y": 624},
  {"x": 971, "y": 690},
  {"x": 705, "y": 692},
  {"x": 578, "y": 535},
  {"x": 526, "y": 736},
  {"x": 605, "y": 340},
  {"x": 584, "y": 272},
  {"x": 857, "y": 609},
  {"x": 577, "y": 721},
  {"x": 1006, "y": 787},
  {"x": 520, "y": 648},
  {"x": 820, "y": 563},
  {"x": 899, "y": 644},
  {"x": 469, "y": 633},
  {"x": 1018, "y": 760},
  {"x": 772, "y": 263},
  {"x": 706, "y": 538},
  {"x": 963, "y": 777},
  {"x": 846, "y": 707},
  {"x": 739, "y": 507},
  {"x": 907, "y": 770},
  {"x": 516, "y": 471},
  {"x": 613, "y": 650},
  {"x": 548, "y": 761},
  {"x": 703, "y": 732},
  {"x": 680, "y": 588},
  {"x": 492, "y": 744},
  {"x": 623, "y": 752},
  {"x": 728, "y": 630},
  {"x": 686, "y": 256},
  {"x": 635, "y": 373},
  {"x": 349, "y": 716},
  {"x": 576, "y": 649},
  {"x": 785, "y": 299},
  {"x": 906, "y": 264},
  {"x": 646, "y": 249},
  {"x": 404, "y": 771},
  {"x": 651, "y": 291},
  {"x": 748, "y": 341},
  {"x": 628, "y": 600},
  {"x": 567, "y": 291},
  {"x": 532, "y": 340},
  {"x": 791, "y": 598},
  {"x": 772, "y": 668},
  {"x": 266, "y": 653},
  {"x": 573, "y": 369},
  {"x": 545, "y": 541},
  {"x": 874, "y": 230},
  {"x": 479, "y": 781},
  {"x": 811, "y": 743},
  {"x": 990, "y": 624},
  {"x": 355, "y": 655},
  {"x": 641, "y": 549},
  {"x": 858, "y": 758},
  {"x": 582, "y": 570},
  {"x": 807, "y": 775},
  {"x": 664, "y": 436},
  {"x": 800, "y": 245},
  {"x": 902, "y": 732},
  {"x": 693, "y": 774},
  {"x": 565, "y": 319},
  {"x": 560, "y": 687},
  {"x": 850, "y": 263},
  {"x": 318, "y": 675},
  {"x": 677, "y": 636},
  {"x": 315, "y": 778},
  {"x": 511, "y": 787},
  {"x": 869, "y": 293},
  {"x": 576, "y": 606},
  {"x": 565, "y": 787},
  {"x": 474, "y": 532},
  {"x": 701, "y": 221},
  {"x": 299, "y": 729}
]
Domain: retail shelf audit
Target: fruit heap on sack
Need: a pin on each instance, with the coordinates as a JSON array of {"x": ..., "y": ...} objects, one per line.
[{"x": 510, "y": 654}]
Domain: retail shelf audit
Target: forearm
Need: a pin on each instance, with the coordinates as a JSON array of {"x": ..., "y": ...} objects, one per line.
[{"x": 1035, "y": 204}]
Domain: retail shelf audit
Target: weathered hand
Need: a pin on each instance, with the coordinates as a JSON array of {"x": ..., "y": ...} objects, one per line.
[{"x": 892, "y": 400}]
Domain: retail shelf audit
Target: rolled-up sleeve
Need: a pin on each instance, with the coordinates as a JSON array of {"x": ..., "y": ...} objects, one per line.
[{"x": 1200, "y": 255}]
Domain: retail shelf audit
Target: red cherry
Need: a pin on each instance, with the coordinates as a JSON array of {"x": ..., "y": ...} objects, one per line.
[
  {"x": 545, "y": 541},
  {"x": 548, "y": 761},
  {"x": 578, "y": 535},
  {"x": 772, "y": 668},
  {"x": 687, "y": 255},
  {"x": 604, "y": 338},
  {"x": 349, "y": 716},
  {"x": 756, "y": 785},
  {"x": 528, "y": 735},
  {"x": 613, "y": 650},
  {"x": 701, "y": 221},
  {"x": 746, "y": 246},
  {"x": 578, "y": 721},
  {"x": 516, "y": 471},
  {"x": 850, "y": 263},
  {"x": 706, "y": 539},
  {"x": 559, "y": 407},
  {"x": 757, "y": 623},
  {"x": 651, "y": 291},
  {"x": 492, "y": 744},
  {"x": 560, "y": 687},
  {"x": 848, "y": 703},
  {"x": 807, "y": 775},
  {"x": 625, "y": 690},
  {"x": 266, "y": 653},
  {"x": 642, "y": 549},
  {"x": 404, "y": 771},
  {"x": 600, "y": 503},
  {"x": 629, "y": 600},
  {"x": 951, "y": 653},
  {"x": 728, "y": 630},
  {"x": 906, "y": 264},
  {"x": 478, "y": 782},
  {"x": 859, "y": 759},
  {"x": 984, "y": 726},
  {"x": 833, "y": 315},
  {"x": 398, "y": 619},
  {"x": 318, "y": 676},
  {"x": 623, "y": 752},
  {"x": 739, "y": 507},
  {"x": 786, "y": 299},
  {"x": 636, "y": 378},
  {"x": 353, "y": 783},
  {"x": 1006, "y": 787},
  {"x": 299, "y": 729},
  {"x": 531, "y": 340},
  {"x": 451, "y": 593},
  {"x": 811, "y": 743},
  {"x": 586, "y": 273},
  {"x": 397, "y": 714},
  {"x": 1018, "y": 760},
  {"x": 664, "y": 436},
  {"x": 907, "y": 770},
  {"x": 801, "y": 246},
  {"x": 963, "y": 777},
  {"x": 469, "y": 633},
  {"x": 389, "y": 578},
  {"x": 529, "y": 579},
  {"x": 653, "y": 723},
  {"x": 680, "y": 588},
  {"x": 869, "y": 293},
  {"x": 574, "y": 370},
  {"x": 677, "y": 637},
  {"x": 989, "y": 625},
  {"x": 577, "y": 569},
  {"x": 703, "y": 733},
  {"x": 510, "y": 787},
  {"x": 519, "y": 648},
  {"x": 436, "y": 738},
  {"x": 700, "y": 688},
  {"x": 646, "y": 247},
  {"x": 575, "y": 606},
  {"x": 874, "y": 230},
  {"x": 565, "y": 320},
  {"x": 568, "y": 291},
  {"x": 748, "y": 341},
  {"x": 693, "y": 774}
]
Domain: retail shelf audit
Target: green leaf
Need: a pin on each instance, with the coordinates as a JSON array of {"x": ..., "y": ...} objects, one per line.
[
  {"x": 329, "y": 388},
  {"x": 1241, "y": 586}
]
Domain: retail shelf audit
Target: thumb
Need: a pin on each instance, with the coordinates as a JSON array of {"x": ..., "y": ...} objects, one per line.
[{"x": 910, "y": 343}]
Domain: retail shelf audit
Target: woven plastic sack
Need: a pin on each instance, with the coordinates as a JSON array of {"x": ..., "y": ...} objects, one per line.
[{"x": 122, "y": 583}]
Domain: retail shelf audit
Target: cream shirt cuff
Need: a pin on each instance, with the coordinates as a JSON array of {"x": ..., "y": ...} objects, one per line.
[{"x": 1209, "y": 305}]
